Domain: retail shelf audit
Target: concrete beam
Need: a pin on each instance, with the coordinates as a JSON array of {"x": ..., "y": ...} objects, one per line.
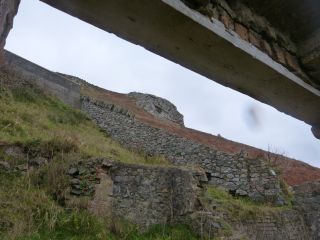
[
  {"x": 8, "y": 9},
  {"x": 316, "y": 131},
  {"x": 310, "y": 52},
  {"x": 173, "y": 30}
]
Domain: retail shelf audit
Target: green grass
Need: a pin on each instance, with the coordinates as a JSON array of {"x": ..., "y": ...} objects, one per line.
[
  {"x": 31, "y": 205},
  {"x": 240, "y": 208},
  {"x": 27, "y": 213},
  {"x": 42, "y": 123}
]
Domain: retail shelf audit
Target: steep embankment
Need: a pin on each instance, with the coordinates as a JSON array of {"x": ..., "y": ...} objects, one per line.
[
  {"x": 64, "y": 177},
  {"x": 40, "y": 138},
  {"x": 294, "y": 172}
]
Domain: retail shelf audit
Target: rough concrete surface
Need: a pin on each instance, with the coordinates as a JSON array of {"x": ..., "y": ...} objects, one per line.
[{"x": 205, "y": 45}]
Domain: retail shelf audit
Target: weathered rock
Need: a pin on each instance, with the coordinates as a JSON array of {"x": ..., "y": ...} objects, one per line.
[
  {"x": 38, "y": 162},
  {"x": 75, "y": 181},
  {"x": 75, "y": 192},
  {"x": 14, "y": 151},
  {"x": 307, "y": 201},
  {"x": 4, "y": 166},
  {"x": 153, "y": 195},
  {"x": 22, "y": 167},
  {"x": 158, "y": 107},
  {"x": 8, "y": 9},
  {"x": 73, "y": 171}
]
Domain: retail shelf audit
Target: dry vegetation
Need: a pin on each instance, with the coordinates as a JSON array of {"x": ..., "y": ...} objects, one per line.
[{"x": 31, "y": 205}]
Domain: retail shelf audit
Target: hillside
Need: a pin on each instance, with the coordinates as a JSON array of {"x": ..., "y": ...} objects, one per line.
[
  {"x": 40, "y": 137},
  {"x": 125, "y": 167},
  {"x": 293, "y": 171}
]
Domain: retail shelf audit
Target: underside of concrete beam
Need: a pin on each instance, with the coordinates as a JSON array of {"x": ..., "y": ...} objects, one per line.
[{"x": 171, "y": 29}]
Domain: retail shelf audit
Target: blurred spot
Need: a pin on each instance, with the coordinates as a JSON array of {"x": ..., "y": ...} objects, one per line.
[{"x": 253, "y": 117}]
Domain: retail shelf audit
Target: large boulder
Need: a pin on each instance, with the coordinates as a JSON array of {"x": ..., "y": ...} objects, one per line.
[{"x": 158, "y": 107}]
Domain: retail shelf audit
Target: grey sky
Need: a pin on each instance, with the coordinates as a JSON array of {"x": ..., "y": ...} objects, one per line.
[{"x": 62, "y": 43}]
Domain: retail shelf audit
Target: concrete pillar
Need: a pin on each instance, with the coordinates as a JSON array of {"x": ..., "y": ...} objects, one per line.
[
  {"x": 8, "y": 9},
  {"x": 316, "y": 131}
]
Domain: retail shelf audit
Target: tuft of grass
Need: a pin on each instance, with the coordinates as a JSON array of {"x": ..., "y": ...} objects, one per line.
[
  {"x": 240, "y": 208},
  {"x": 126, "y": 231}
]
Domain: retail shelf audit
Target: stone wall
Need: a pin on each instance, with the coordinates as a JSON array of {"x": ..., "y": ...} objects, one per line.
[
  {"x": 158, "y": 107},
  {"x": 21, "y": 70},
  {"x": 307, "y": 201},
  {"x": 154, "y": 195},
  {"x": 151, "y": 195},
  {"x": 286, "y": 224},
  {"x": 8, "y": 9},
  {"x": 237, "y": 173}
]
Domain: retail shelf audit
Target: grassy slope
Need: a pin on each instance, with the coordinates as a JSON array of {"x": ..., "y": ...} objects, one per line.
[
  {"x": 45, "y": 126},
  {"x": 29, "y": 208}
]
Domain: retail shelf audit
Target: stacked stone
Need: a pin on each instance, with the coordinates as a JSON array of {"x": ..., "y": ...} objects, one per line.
[
  {"x": 234, "y": 172},
  {"x": 84, "y": 177}
]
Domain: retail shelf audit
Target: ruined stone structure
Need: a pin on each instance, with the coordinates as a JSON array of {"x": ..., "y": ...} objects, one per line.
[
  {"x": 237, "y": 173},
  {"x": 176, "y": 193},
  {"x": 267, "y": 50},
  {"x": 147, "y": 195}
]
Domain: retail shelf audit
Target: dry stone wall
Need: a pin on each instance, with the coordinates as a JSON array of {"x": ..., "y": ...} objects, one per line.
[
  {"x": 287, "y": 224},
  {"x": 236, "y": 173},
  {"x": 154, "y": 195},
  {"x": 307, "y": 201},
  {"x": 150, "y": 195}
]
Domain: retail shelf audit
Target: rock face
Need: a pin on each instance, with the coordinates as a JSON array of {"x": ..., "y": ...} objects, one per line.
[
  {"x": 8, "y": 9},
  {"x": 154, "y": 195},
  {"x": 158, "y": 107}
]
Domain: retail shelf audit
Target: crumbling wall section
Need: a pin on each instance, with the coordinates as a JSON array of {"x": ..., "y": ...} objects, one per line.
[
  {"x": 236, "y": 173},
  {"x": 307, "y": 201},
  {"x": 154, "y": 195}
]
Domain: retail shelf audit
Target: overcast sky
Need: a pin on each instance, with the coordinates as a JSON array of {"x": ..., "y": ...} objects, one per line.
[{"x": 65, "y": 44}]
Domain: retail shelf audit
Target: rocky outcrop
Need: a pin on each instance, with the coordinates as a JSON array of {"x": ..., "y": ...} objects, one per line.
[
  {"x": 8, "y": 9},
  {"x": 158, "y": 107}
]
